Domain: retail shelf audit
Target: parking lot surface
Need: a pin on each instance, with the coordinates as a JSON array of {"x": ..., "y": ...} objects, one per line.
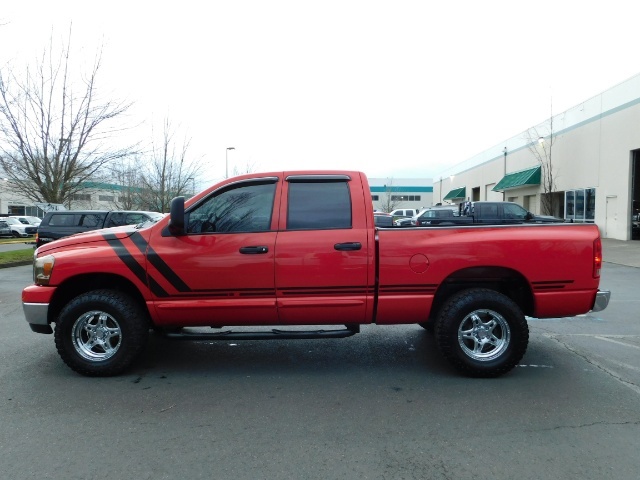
[{"x": 380, "y": 405}]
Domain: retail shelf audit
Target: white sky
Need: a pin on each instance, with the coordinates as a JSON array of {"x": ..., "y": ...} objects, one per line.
[{"x": 395, "y": 88}]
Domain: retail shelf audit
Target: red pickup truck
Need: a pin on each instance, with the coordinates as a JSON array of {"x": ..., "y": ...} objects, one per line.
[{"x": 298, "y": 249}]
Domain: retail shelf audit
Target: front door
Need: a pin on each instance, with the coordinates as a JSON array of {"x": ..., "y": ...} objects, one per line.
[{"x": 222, "y": 271}]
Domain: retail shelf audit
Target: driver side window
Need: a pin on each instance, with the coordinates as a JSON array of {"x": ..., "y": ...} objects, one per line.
[{"x": 244, "y": 208}]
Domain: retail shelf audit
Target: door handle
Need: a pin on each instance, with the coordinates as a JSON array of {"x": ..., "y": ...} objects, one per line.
[
  {"x": 348, "y": 246},
  {"x": 254, "y": 250}
]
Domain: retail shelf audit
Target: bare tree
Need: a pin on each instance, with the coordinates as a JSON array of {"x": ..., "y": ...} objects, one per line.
[
  {"x": 248, "y": 167},
  {"x": 540, "y": 144},
  {"x": 389, "y": 201},
  {"x": 169, "y": 173},
  {"x": 127, "y": 178},
  {"x": 55, "y": 132}
]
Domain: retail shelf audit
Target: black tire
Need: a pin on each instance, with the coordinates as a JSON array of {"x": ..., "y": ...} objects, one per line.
[
  {"x": 483, "y": 333},
  {"x": 101, "y": 333},
  {"x": 428, "y": 326}
]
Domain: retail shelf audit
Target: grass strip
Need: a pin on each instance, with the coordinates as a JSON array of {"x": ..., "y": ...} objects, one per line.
[{"x": 16, "y": 257}]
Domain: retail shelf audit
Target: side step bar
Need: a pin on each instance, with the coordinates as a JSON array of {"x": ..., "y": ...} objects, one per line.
[{"x": 274, "y": 334}]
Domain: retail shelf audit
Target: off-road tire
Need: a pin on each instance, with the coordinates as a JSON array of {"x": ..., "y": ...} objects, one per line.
[
  {"x": 483, "y": 333},
  {"x": 101, "y": 333}
]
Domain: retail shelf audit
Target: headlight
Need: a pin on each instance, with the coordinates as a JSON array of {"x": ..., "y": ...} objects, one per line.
[{"x": 42, "y": 269}]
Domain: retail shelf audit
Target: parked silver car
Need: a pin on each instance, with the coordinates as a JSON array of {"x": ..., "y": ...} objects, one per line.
[
  {"x": 19, "y": 229},
  {"x": 5, "y": 230},
  {"x": 27, "y": 220}
]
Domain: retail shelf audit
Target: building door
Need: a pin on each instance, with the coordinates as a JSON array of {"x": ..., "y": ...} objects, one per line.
[
  {"x": 611, "y": 221},
  {"x": 635, "y": 196}
]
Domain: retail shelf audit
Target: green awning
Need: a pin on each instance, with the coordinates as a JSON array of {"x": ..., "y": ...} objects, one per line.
[
  {"x": 523, "y": 178},
  {"x": 456, "y": 193}
]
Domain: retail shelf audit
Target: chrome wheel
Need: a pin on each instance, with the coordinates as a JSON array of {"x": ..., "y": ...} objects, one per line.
[
  {"x": 96, "y": 336},
  {"x": 484, "y": 335}
]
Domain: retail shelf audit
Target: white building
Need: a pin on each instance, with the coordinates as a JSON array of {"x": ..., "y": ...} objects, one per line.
[
  {"x": 96, "y": 196},
  {"x": 401, "y": 192},
  {"x": 595, "y": 161}
]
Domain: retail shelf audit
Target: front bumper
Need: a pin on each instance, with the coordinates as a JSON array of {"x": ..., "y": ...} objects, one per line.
[
  {"x": 37, "y": 316},
  {"x": 601, "y": 301}
]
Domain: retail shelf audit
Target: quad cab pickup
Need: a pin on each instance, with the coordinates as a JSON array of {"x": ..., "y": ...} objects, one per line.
[{"x": 298, "y": 249}]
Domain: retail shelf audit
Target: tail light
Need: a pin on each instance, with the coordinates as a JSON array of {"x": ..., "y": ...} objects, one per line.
[{"x": 597, "y": 257}]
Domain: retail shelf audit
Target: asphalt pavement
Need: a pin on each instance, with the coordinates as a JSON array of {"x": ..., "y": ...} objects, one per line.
[{"x": 621, "y": 252}]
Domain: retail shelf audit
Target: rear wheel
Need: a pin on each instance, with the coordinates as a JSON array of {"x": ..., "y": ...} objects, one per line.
[
  {"x": 428, "y": 326},
  {"x": 101, "y": 333},
  {"x": 483, "y": 333}
]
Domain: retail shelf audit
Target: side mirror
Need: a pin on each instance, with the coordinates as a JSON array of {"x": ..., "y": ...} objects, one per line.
[
  {"x": 176, "y": 217},
  {"x": 529, "y": 216}
]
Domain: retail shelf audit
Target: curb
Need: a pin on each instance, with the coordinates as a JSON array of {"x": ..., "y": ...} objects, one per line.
[{"x": 16, "y": 264}]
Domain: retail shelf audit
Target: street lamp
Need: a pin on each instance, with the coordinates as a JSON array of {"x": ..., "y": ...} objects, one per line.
[
  {"x": 505, "y": 171},
  {"x": 226, "y": 161}
]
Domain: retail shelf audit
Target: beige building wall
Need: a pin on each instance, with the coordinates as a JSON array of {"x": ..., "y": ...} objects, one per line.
[{"x": 593, "y": 145}]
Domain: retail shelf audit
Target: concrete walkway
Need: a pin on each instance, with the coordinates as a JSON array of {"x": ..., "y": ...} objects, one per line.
[{"x": 621, "y": 252}]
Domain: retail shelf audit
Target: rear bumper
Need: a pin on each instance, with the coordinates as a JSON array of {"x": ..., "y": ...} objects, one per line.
[{"x": 601, "y": 301}]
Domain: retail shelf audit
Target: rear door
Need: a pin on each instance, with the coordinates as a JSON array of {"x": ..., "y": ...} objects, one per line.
[{"x": 324, "y": 254}]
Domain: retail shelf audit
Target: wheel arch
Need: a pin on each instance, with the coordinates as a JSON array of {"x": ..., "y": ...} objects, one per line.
[
  {"x": 80, "y": 284},
  {"x": 507, "y": 281}
]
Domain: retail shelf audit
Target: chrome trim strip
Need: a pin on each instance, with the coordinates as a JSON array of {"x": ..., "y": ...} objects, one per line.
[{"x": 36, "y": 313}]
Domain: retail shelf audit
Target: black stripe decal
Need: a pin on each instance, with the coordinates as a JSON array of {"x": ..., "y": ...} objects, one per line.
[
  {"x": 551, "y": 284},
  {"x": 166, "y": 271},
  {"x": 160, "y": 264},
  {"x": 139, "y": 241},
  {"x": 131, "y": 263}
]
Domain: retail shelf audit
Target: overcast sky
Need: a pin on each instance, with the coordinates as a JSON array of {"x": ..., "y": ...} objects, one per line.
[{"x": 396, "y": 88}]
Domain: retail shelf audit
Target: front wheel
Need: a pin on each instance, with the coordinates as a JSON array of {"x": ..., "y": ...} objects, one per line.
[
  {"x": 483, "y": 333},
  {"x": 101, "y": 333}
]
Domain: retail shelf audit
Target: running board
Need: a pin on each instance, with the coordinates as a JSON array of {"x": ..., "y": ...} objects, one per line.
[{"x": 274, "y": 334}]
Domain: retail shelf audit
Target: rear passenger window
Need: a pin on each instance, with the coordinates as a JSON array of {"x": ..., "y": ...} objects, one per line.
[
  {"x": 116, "y": 219},
  {"x": 62, "y": 220},
  {"x": 92, "y": 220},
  {"x": 319, "y": 205}
]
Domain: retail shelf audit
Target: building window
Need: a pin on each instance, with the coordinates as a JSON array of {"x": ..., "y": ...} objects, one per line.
[
  {"x": 375, "y": 198},
  {"x": 590, "y": 204},
  {"x": 580, "y": 204},
  {"x": 81, "y": 196},
  {"x": 405, "y": 198},
  {"x": 106, "y": 198}
]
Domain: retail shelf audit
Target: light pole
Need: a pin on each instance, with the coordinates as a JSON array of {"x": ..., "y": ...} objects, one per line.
[
  {"x": 505, "y": 170},
  {"x": 226, "y": 161}
]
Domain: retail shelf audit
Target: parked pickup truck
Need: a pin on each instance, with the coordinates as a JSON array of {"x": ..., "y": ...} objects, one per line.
[
  {"x": 487, "y": 213},
  {"x": 59, "y": 224},
  {"x": 300, "y": 249}
]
